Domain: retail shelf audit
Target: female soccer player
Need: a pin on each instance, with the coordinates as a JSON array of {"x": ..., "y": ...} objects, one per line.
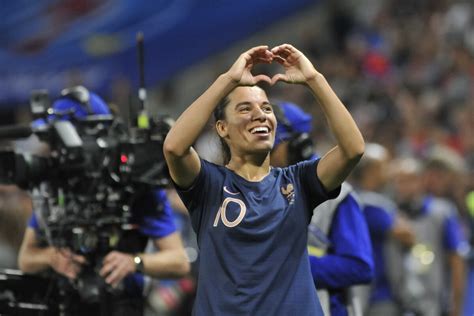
[{"x": 251, "y": 219}]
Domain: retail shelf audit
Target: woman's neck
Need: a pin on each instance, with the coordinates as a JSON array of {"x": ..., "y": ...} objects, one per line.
[{"x": 250, "y": 170}]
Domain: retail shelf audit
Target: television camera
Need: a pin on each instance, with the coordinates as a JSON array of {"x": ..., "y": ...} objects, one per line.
[{"x": 85, "y": 184}]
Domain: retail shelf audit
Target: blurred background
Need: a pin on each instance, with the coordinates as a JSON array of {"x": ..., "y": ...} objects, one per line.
[{"x": 405, "y": 70}]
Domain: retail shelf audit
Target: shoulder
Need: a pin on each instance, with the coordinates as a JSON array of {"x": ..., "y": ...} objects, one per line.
[
  {"x": 301, "y": 165},
  {"x": 303, "y": 171},
  {"x": 212, "y": 168},
  {"x": 374, "y": 199},
  {"x": 440, "y": 207},
  {"x": 208, "y": 174}
]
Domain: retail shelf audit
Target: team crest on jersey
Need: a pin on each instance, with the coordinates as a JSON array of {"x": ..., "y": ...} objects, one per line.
[{"x": 289, "y": 193}]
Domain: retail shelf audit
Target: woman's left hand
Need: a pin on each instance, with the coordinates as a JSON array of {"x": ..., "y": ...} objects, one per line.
[{"x": 298, "y": 68}]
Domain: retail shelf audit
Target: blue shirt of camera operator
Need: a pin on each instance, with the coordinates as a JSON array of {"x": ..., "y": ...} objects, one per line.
[{"x": 151, "y": 214}]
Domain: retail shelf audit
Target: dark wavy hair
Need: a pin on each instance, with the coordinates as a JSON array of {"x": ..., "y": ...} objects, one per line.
[{"x": 219, "y": 114}]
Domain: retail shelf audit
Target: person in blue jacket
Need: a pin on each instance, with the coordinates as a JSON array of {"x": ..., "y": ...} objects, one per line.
[
  {"x": 384, "y": 222},
  {"x": 122, "y": 269},
  {"x": 339, "y": 246},
  {"x": 429, "y": 277},
  {"x": 251, "y": 219}
]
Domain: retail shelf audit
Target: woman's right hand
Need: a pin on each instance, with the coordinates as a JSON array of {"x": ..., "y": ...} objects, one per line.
[{"x": 240, "y": 72}]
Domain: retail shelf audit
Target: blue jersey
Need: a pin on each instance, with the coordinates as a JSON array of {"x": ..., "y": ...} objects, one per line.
[{"x": 252, "y": 238}]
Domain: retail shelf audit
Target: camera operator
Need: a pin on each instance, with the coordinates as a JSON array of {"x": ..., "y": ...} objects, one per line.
[{"x": 122, "y": 269}]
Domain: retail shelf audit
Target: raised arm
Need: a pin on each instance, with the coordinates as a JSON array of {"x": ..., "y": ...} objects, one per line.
[
  {"x": 335, "y": 165},
  {"x": 183, "y": 161}
]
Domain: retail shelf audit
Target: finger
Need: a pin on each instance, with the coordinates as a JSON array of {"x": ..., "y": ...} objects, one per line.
[
  {"x": 70, "y": 256},
  {"x": 110, "y": 257},
  {"x": 262, "y": 51},
  {"x": 258, "y": 48},
  {"x": 279, "y": 59},
  {"x": 285, "y": 54},
  {"x": 71, "y": 272},
  {"x": 64, "y": 252},
  {"x": 268, "y": 54},
  {"x": 279, "y": 77},
  {"x": 76, "y": 269},
  {"x": 287, "y": 47},
  {"x": 106, "y": 269},
  {"x": 280, "y": 50},
  {"x": 265, "y": 78},
  {"x": 277, "y": 50},
  {"x": 114, "y": 261},
  {"x": 79, "y": 259},
  {"x": 68, "y": 272},
  {"x": 263, "y": 61},
  {"x": 255, "y": 51},
  {"x": 114, "y": 278},
  {"x": 262, "y": 58}
]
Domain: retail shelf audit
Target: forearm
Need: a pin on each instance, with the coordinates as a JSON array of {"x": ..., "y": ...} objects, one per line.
[
  {"x": 172, "y": 263},
  {"x": 345, "y": 130},
  {"x": 457, "y": 283},
  {"x": 334, "y": 272},
  {"x": 34, "y": 259},
  {"x": 195, "y": 117}
]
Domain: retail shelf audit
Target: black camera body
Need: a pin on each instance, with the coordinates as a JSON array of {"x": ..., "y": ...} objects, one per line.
[{"x": 84, "y": 187}]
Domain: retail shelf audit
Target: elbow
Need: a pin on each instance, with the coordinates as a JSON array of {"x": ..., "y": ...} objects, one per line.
[
  {"x": 183, "y": 267},
  {"x": 23, "y": 265},
  {"x": 365, "y": 272},
  {"x": 356, "y": 152},
  {"x": 359, "y": 150},
  {"x": 172, "y": 148},
  {"x": 168, "y": 147},
  {"x": 367, "y": 277},
  {"x": 21, "y": 261}
]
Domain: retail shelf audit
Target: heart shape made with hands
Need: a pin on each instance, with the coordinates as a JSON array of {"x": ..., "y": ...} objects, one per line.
[{"x": 298, "y": 69}]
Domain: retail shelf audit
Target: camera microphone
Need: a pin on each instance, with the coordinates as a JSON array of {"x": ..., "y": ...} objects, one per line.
[{"x": 15, "y": 131}]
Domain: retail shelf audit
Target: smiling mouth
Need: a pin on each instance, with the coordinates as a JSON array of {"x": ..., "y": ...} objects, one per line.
[{"x": 260, "y": 130}]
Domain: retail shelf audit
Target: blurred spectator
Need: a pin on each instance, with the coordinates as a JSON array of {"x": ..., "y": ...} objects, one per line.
[
  {"x": 384, "y": 223},
  {"x": 428, "y": 278}
]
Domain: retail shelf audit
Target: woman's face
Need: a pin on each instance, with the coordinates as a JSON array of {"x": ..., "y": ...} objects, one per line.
[{"x": 249, "y": 126}]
